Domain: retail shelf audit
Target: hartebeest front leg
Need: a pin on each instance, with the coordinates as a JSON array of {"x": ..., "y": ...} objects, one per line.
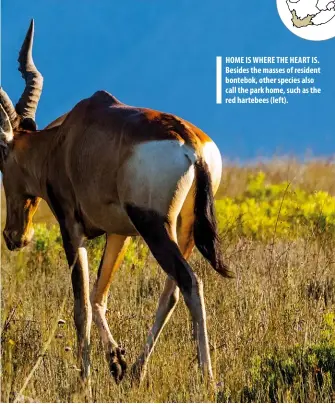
[
  {"x": 77, "y": 258},
  {"x": 115, "y": 249}
]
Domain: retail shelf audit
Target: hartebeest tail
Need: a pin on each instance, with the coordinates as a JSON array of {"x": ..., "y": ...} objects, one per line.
[{"x": 206, "y": 235}]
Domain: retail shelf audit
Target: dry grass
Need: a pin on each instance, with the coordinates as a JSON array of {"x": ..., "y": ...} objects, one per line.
[
  {"x": 311, "y": 176},
  {"x": 278, "y": 301}
]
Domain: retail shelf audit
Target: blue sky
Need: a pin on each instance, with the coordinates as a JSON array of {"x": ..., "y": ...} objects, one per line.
[{"x": 161, "y": 54}]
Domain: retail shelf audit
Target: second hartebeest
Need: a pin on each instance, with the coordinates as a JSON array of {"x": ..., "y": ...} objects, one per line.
[{"x": 109, "y": 168}]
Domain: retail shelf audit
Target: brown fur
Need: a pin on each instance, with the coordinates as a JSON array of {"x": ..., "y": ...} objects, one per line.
[{"x": 101, "y": 126}]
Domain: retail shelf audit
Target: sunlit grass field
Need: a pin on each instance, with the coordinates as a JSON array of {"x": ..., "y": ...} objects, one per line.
[{"x": 271, "y": 328}]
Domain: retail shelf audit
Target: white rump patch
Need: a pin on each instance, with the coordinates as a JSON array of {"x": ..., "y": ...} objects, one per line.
[
  {"x": 154, "y": 172},
  {"x": 213, "y": 159}
]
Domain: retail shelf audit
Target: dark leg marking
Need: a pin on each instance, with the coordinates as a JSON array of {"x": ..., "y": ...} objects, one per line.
[
  {"x": 154, "y": 229},
  {"x": 73, "y": 240}
]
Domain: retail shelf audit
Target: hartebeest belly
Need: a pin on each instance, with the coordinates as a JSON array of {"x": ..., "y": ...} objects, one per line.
[{"x": 156, "y": 175}]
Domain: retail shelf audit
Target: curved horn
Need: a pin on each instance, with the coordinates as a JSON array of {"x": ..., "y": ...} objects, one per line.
[
  {"x": 8, "y": 106},
  {"x": 27, "y": 105}
]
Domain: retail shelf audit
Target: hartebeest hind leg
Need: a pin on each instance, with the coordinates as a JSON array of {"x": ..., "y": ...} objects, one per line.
[
  {"x": 166, "y": 306},
  {"x": 115, "y": 249},
  {"x": 168, "y": 300},
  {"x": 160, "y": 235}
]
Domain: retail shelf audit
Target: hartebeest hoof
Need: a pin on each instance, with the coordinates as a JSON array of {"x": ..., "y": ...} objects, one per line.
[
  {"x": 137, "y": 373},
  {"x": 117, "y": 363}
]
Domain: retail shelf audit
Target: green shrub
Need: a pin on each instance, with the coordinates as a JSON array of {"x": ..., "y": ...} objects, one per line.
[
  {"x": 295, "y": 373},
  {"x": 48, "y": 245},
  {"x": 263, "y": 212},
  {"x": 268, "y": 211}
]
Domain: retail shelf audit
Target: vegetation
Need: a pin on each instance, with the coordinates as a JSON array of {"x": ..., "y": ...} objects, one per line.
[
  {"x": 271, "y": 329},
  {"x": 277, "y": 210}
]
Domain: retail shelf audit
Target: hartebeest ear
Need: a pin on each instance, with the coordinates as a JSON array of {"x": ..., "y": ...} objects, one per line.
[
  {"x": 6, "y": 130},
  {"x": 6, "y": 135}
]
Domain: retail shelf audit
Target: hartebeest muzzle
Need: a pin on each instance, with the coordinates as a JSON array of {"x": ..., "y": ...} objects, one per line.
[{"x": 14, "y": 242}]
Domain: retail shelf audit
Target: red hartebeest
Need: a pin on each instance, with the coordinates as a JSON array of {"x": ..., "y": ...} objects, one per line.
[{"x": 108, "y": 168}]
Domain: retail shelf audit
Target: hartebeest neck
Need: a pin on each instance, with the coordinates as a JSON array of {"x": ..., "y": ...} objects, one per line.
[{"x": 31, "y": 152}]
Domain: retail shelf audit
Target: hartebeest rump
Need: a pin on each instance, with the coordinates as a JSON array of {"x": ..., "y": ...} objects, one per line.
[{"x": 108, "y": 168}]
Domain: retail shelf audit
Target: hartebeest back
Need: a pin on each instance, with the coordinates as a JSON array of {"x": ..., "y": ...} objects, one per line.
[{"x": 108, "y": 168}]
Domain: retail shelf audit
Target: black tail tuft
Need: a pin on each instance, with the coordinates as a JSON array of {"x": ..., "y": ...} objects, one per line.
[{"x": 206, "y": 235}]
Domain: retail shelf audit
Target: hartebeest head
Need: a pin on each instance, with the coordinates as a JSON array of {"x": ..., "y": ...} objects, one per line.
[{"x": 21, "y": 206}]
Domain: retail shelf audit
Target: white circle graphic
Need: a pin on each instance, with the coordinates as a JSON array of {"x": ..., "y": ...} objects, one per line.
[{"x": 309, "y": 19}]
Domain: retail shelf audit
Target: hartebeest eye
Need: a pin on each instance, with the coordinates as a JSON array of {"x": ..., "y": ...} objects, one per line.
[
  {"x": 6, "y": 135},
  {"x": 4, "y": 150}
]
